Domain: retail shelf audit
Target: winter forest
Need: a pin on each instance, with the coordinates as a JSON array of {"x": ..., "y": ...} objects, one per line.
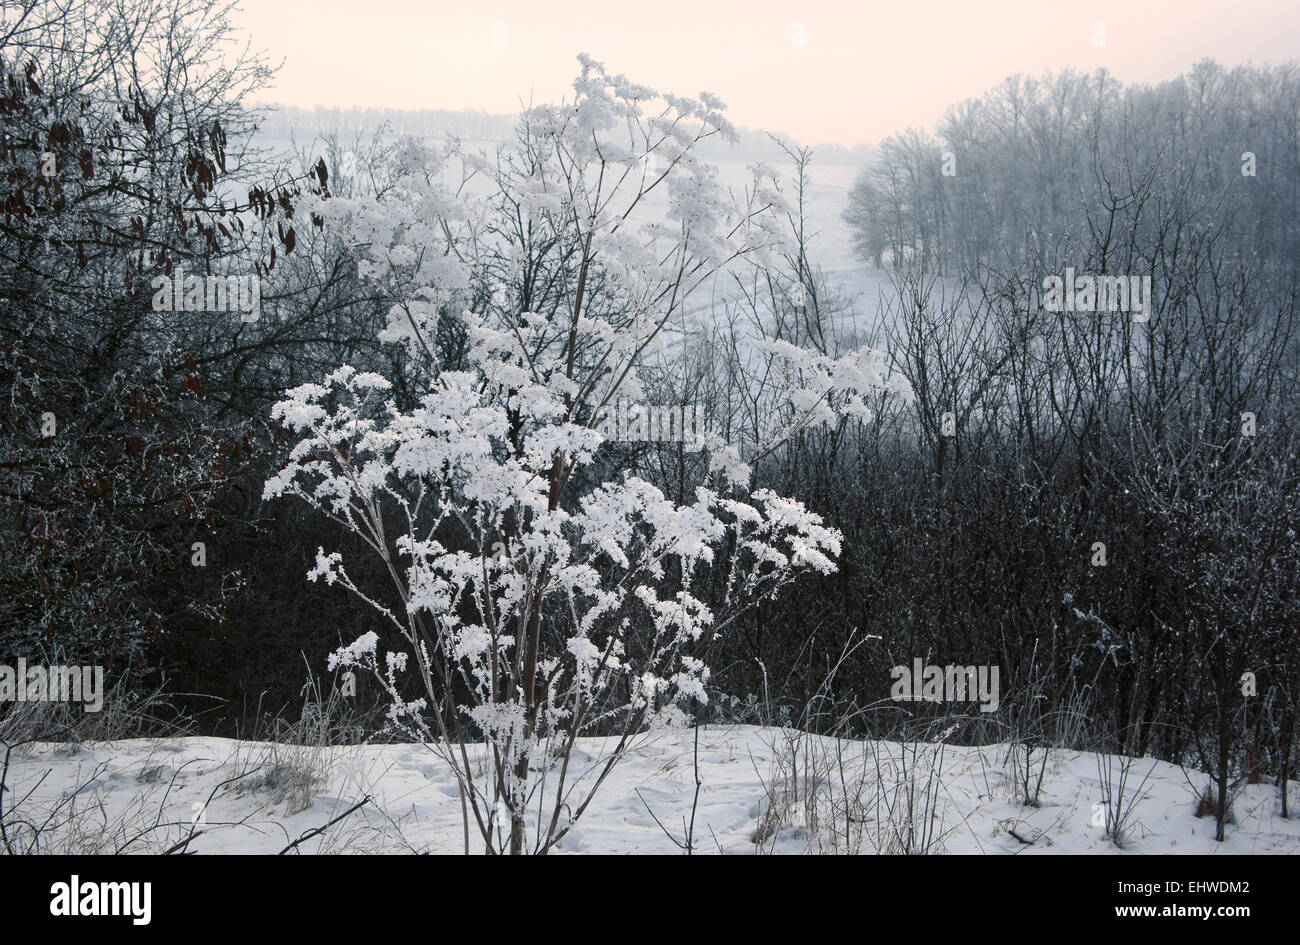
[{"x": 619, "y": 474}]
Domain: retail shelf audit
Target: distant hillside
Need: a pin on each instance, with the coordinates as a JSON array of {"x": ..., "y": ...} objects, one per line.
[{"x": 283, "y": 120}]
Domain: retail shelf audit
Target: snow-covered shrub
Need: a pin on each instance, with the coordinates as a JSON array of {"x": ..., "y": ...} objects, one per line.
[{"x": 540, "y": 594}]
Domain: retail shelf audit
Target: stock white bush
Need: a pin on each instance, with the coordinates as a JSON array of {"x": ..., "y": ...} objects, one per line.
[{"x": 537, "y": 604}]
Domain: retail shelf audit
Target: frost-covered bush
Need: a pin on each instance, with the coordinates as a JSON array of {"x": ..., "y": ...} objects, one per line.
[{"x": 539, "y": 596}]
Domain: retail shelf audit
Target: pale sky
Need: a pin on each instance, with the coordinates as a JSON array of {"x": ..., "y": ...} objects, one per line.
[{"x": 865, "y": 69}]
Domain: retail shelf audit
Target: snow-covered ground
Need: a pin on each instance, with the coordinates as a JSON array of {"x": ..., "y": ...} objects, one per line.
[{"x": 848, "y": 797}]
